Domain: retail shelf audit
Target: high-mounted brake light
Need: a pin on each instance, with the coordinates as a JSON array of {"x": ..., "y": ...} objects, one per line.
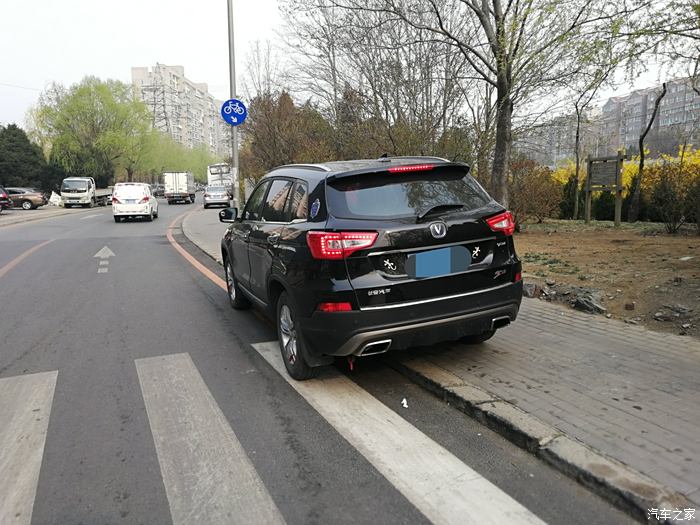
[
  {"x": 338, "y": 245},
  {"x": 334, "y": 307},
  {"x": 503, "y": 222},
  {"x": 412, "y": 167}
]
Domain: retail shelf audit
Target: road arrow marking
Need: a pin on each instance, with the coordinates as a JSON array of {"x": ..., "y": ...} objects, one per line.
[{"x": 104, "y": 253}]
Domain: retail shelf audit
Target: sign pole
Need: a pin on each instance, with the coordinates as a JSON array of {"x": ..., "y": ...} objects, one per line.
[
  {"x": 618, "y": 190},
  {"x": 234, "y": 130},
  {"x": 589, "y": 169}
]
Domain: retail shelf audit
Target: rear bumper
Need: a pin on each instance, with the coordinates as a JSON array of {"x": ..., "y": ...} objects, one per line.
[
  {"x": 126, "y": 210},
  {"x": 346, "y": 333}
]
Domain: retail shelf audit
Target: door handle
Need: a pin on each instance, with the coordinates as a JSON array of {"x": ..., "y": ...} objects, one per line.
[{"x": 273, "y": 238}]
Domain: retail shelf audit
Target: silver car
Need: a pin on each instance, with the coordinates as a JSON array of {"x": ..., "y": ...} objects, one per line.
[{"x": 216, "y": 195}]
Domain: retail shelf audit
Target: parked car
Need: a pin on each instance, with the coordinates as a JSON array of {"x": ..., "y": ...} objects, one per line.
[
  {"x": 216, "y": 195},
  {"x": 27, "y": 198},
  {"x": 133, "y": 199},
  {"x": 355, "y": 258},
  {"x": 5, "y": 201}
]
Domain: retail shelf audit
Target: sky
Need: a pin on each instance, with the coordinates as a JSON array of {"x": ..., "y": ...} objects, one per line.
[{"x": 43, "y": 41}]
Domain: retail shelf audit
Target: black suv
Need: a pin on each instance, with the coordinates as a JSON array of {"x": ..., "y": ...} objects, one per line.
[{"x": 358, "y": 257}]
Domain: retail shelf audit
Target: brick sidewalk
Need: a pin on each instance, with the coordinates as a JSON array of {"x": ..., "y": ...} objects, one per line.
[{"x": 628, "y": 392}]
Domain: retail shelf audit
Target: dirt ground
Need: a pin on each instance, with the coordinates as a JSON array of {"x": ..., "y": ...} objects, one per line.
[{"x": 638, "y": 273}]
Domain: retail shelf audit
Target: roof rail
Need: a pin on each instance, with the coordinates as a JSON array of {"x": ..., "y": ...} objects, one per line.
[
  {"x": 317, "y": 167},
  {"x": 389, "y": 157}
]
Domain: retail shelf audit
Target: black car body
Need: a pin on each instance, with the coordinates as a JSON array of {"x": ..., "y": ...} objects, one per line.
[
  {"x": 359, "y": 257},
  {"x": 5, "y": 201}
]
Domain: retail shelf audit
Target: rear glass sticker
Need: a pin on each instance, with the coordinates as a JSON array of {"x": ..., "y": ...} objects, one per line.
[{"x": 314, "y": 208}]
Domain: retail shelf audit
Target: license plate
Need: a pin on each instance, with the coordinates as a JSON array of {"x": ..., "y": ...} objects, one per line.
[
  {"x": 434, "y": 263},
  {"x": 130, "y": 201}
]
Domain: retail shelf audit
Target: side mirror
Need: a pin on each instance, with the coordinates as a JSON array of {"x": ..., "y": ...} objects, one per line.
[{"x": 228, "y": 215}]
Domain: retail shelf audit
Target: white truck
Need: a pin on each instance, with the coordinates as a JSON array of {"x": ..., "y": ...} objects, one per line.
[
  {"x": 179, "y": 186},
  {"x": 219, "y": 175},
  {"x": 82, "y": 191}
]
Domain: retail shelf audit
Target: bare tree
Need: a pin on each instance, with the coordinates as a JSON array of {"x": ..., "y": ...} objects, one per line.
[
  {"x": 633, "y": 213},
  {"x": 519, "y": 47}
]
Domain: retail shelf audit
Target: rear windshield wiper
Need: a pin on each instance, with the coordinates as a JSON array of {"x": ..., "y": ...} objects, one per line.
[{"x": 440, "y": 208}]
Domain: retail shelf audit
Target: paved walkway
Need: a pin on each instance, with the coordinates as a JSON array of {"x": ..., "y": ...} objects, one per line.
[{"x": 627, "y": 392}]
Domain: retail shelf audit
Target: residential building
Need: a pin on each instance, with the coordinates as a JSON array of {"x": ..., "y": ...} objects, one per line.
[
  {"x": 617, "y": 125},
  {"x": 182, "y": 108}
]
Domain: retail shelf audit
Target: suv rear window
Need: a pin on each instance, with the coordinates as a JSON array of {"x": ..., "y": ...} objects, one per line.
[{"x": 395, "y": 195}]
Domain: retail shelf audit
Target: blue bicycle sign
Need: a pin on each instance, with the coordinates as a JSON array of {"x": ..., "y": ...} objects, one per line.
[{"x": 234, "y": 112}]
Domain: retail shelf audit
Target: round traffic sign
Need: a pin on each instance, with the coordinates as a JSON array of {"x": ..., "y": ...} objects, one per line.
[{"x": 234, "y": 112}]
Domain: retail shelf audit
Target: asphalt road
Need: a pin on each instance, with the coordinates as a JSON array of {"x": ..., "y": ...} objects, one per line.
[{"x": 131, "y": 393}]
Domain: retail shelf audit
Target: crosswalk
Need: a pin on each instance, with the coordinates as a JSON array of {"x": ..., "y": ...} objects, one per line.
[{"x": 208, "y": 477}]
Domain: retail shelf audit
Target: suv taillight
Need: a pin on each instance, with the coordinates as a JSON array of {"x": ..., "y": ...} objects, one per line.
[
  {"x": 115, "y": 200},
  {"x": 145, "y": 199},
  {"x": 338, "y": 245},
  {"x": 503, "y": 222}
]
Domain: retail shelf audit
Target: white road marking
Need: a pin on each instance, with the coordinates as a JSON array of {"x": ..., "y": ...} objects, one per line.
[
  {"x": 104, "y": 253},
  {"x": 207, "y": 475},
  {"x": 443, "y": 488},
  {"x": 104, "y": 263},
  {"x": 25, "y": 406},
  {"x": 102, "y": 270},
  {"x": 89, "y": 216}
]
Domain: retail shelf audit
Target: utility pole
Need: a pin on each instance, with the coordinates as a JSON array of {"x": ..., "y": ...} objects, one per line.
[{"x": 234, "y": 129}]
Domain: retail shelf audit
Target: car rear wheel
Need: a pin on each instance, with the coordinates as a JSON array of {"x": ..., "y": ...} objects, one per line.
[
  {"x": 27, "y": 205},
  {"x": 237, "y": 300},
  {"x": 291, "y": 343},
  {"x": 475, "y": 339},
  {"x": 148, "y": 217},
  {"x": 117, "y": 219}
]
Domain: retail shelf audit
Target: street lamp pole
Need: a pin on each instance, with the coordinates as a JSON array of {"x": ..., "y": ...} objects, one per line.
[{"x": 234, "y": 129}]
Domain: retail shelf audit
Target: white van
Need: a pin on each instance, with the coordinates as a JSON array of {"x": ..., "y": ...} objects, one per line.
[{"x": 133, "y": 199}]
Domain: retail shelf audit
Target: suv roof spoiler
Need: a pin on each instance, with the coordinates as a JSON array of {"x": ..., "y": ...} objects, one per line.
[{"x": 380, "y": 169}]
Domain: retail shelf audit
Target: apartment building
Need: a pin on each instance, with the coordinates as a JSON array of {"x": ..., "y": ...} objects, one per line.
[
  {"x": 617, "y": 125},
  {"x": 182, "y": 108}
]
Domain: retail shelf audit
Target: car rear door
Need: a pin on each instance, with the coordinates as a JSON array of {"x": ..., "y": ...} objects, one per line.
[
  {"x": 433, "y": 240},
  {"x": 265, "y": 236}
]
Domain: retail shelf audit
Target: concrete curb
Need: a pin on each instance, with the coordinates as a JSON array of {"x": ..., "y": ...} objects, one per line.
[
  {"x": 627, "y": 489},
  {"x": 622, "y": 486}
]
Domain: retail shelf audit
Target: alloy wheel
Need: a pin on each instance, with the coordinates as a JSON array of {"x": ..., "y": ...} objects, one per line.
[{"x": 288, "y": 334}]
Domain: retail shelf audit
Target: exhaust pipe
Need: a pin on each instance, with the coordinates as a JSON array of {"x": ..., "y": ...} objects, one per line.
[
  {"x": 500, "y": 322},
  {"x": 374, "y": 348}
]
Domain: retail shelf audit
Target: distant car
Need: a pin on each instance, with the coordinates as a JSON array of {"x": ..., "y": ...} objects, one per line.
[
  {"x": 27, "y": 198},
  {"x": 214, "y": 195},
  {"x": 354, "y": 258},
  {"x": 158, "y": 190},
  {"x": 133, "y": 199},
  {"x": 5, "y": 201}
]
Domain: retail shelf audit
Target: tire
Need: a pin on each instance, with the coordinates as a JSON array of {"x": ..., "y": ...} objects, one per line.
[
  {"x": 149, "y": 217},
  {"x": 475, "y": 339},
  {"x": 27, "y": 205},
  {"x": 206, "y": 206},
  {"x": 66, "y": 206},
  {"x": 155, "y": 215},
  {"x": 92, "y": 203},
  {"x": 117, "y": 219},
  {"x": 292, "y": 346},
  {"x": 235, "y": 297},
  {"x": 170, "y": 202}
]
